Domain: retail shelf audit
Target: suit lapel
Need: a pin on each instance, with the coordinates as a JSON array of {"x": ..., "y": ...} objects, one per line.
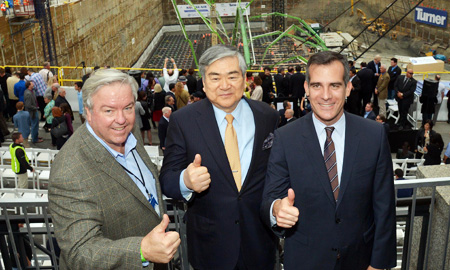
[
  {"x": 258, "y": 116},
  {"x": 211, "y": 136},
  {"x": 316, "y": 160},
  {"x": 112, "y": 168},
  {"x": 351, "y": 146}
]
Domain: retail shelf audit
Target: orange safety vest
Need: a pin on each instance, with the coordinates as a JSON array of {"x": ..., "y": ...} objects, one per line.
[{"x": 3, "y": 7}]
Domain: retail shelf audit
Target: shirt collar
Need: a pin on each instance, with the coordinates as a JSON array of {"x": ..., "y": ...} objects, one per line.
[
  {"x": 220, "y": 114},
  {"x": 166, "y": 118},
  {"x": 130, "y": 143},
  {"x": 339, "y": 126}
]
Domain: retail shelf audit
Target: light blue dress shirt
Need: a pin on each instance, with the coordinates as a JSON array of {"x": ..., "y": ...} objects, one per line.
[
  {"x": 338, "y": 137},
  {"x": 133, "y": 163},
  {"x": 244, "y": 125},
  {"x": 80, "y": 102}
]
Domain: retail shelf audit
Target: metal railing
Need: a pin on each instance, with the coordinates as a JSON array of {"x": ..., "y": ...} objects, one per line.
[{"x": 427, "y": 231}]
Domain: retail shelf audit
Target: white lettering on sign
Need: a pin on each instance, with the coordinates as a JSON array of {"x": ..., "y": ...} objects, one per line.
[{"x": 431, "y": 18}]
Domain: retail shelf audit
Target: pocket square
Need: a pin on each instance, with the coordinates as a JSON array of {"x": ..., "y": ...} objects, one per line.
[{"x": 267, "y": 144}]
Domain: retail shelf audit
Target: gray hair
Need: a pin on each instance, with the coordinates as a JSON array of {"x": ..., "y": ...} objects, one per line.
[
  {"x": 106, "y": 77},
  {"x": 218, "y": 52},
  {"x": 383, "y": 66},
  {"x": 48, "y": 96},
  {"x": 167, "y": 98},
  {"x": 56, "y": 85},
  {"x": 326, "y": 58},
  {"x": 60, "y": 90},
  {"x": 166, "y": 110}
]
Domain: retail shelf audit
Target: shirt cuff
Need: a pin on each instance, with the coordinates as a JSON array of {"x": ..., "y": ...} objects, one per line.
[
  {"x": 273, "y": 219},
  {"x": 185, "y": 192}
]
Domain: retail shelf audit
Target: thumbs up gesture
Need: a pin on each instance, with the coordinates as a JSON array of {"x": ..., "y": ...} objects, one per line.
[
  {"x": 196, "y": 177},
  {"x": 285, "y": 212},
  {"x": 159, "y": 246}
]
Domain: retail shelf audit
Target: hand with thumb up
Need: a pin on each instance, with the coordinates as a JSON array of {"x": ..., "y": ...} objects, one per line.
[
  {"x": 285, "y": 212},
  {"x": 159, "y": 246},
  {"x": 196, "y": 177}
]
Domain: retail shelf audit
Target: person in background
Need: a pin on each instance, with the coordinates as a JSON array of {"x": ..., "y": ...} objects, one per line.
[
  {"x": 19, "y": 87},
  {"x": 404, "y": 152},
  {"x": 403, "y": 192},
  {"x": 257, "y": 93},
  {"x": 181, "y": 95},
  {"x": 191, "y": 81},
  {"x": 439, "y": 96},
  {"x": 31, "y": 106},
  {"x": 382, "y": 120},
  {"x": 48, "y": 112},
  {"x": 433, "y": 150},
  {"x": 267, "y": 85},
  {"x": 394, "y": 71},
  {"x": 289, "y": 115},
  {"x": 45, "y": 73},
  {"x": 423, "y": 137},
  {"x": 162, "y": 127},
  {"x": 146, "y": 128},
  {"x": 158, "y": 103},
  {"x": 78, "y": 88},
  {"x": 369, "y": 113},
  {"x": 20, "y": 163},
  {"x": 381, "y": 89},
  {"x": 170, "y": 75},
  {"x": 22, "y": 122},
  {"x": 11, "y": 81}
]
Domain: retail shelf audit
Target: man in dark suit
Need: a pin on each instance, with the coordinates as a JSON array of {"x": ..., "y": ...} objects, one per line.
[
  {"x": 375, "y": 65},
  {"x": 216, "y": 155},
  {"x": 289, "y": 115},
  {"x": 286, "y": 105},
  {"x": 280, "y": 83},
  {"x": 267, "y": 85},
  {"x": 336, "y": 210},
  {"x": 162, "y": 127},
  {"x": 365, "y": 75},
  {"x": 405, "y": 86},
  {"x": 353, "y": 98},
  {"x": 369, "y": 113},
  {"x": 296, "y": 83},
  {"x": 191, "y": 81},
  {"x": 104, "y": 193},
  {"x": 394, "y": 71}
]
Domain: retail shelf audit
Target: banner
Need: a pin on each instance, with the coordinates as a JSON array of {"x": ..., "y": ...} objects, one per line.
[
  {"x": 431, "y": 16},
  {"x": 224, "y": 10}
]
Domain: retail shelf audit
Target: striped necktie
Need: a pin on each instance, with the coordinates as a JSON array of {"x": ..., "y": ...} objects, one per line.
[{"x": 329, "y": 154}]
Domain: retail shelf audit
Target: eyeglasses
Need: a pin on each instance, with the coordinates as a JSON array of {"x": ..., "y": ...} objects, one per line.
[{"x": 410, "y": 73}]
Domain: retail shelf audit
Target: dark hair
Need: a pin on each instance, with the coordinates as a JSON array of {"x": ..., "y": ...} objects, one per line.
[
  {"x": 24, "y": 71},
  {"x": 363, "y": 64},
  {"x": 370, "y": 104},
  {"x": 79, "y": 84},
  {"x": 351, "y": 63},
  {"x": 290, "y": 69},
  {"x": 65, "y": 108},
  {"x": 191, "y": 71},
  {"x": 142, "y": 95},
  {"x": 249, "y": 74},
  {"x": 326, "y": 58},
  {"x": 171, "y": 86},
  {"x": 257, "y": 80},
  {"x": 280, "y": 69},
  {"x": 8, "y": 70},
  {"x": 298, "y": 68},
  {"x": 285, "y": 104},
  {"x": 15, "y": 136},
  {"x": 267, "y": 68},
  {"x": 382, "y": 118},
  {"x": 21, "y": 76},
  {"x": 96, "y": 67},
  {"x": 430, "y": 122},
  {"x": 183, "y": 72},
  {"x": 27, "y": 84},
  {"x": 394, "y": 59},
  {"x": 399, "y": 173},
  {"x": 149, "y": 77}
]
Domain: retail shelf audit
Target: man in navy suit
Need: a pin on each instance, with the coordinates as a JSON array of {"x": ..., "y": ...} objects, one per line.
[
  {"x": 162, "y": 127},
  {"x": 329, "y": 187},
  {"x": 224, "y": 229},
  {"x": 405, "y": 86},
  {"x": 375, "y": 66}
]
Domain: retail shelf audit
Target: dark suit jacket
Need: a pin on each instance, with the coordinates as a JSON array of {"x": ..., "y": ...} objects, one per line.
[
  {"x": 407, "y": 90},
  {"x": 358, "y": 230},
  {"x": 170, "y": 93},
  {"x": 352, "y": 105},
  {"x": 99, "y": 213},
  {"x": 371, "y": 66},
  {"x": 221, "y": 222},
  {"x": 365, "y": 75},
  {"x": 162, "y": 131},
  {"x": 393, "y": 75},
  {"x": 191, "y": 84},
  {"x": 297, "y": 87},
  {"x": 280, "y": 84},
  {"x": 371, "y": 115}
]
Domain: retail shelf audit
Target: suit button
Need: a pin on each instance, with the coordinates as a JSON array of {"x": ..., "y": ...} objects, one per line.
[
  {"x": 338, "y": 220},
  {"x": 236, "y": 222}
]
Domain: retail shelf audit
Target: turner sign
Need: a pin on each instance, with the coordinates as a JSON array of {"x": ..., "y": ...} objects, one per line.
[{"x": 431, "y": 16}]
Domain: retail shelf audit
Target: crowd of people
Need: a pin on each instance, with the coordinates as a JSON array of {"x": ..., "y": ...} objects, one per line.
[{"x": 235, "y": 161}]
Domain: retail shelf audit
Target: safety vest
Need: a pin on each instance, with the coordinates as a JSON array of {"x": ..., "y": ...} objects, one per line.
[
  {"x": 15, "y": 165},
  {"x": 3, "y": 7}
]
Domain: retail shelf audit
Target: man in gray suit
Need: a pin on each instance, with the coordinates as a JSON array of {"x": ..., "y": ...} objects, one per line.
[{"x": 104, "y": 192}]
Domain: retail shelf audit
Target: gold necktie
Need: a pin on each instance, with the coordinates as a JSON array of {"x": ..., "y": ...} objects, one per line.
[{"x": 232, "y": 149}]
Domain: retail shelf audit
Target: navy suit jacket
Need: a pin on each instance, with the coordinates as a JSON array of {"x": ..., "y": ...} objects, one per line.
[
  {"x": 221, "y": 222},
  {"x": 356, "y": 231},
  {"x": 162, "y": 131},
  {"x": 407, "y": 90}
]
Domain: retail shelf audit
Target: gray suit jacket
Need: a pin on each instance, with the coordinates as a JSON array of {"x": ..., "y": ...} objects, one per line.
[{"x": 100, "y": 215}]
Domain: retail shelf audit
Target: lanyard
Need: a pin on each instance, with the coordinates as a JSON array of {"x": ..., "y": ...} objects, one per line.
[{"x": 141, "y": 180}]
